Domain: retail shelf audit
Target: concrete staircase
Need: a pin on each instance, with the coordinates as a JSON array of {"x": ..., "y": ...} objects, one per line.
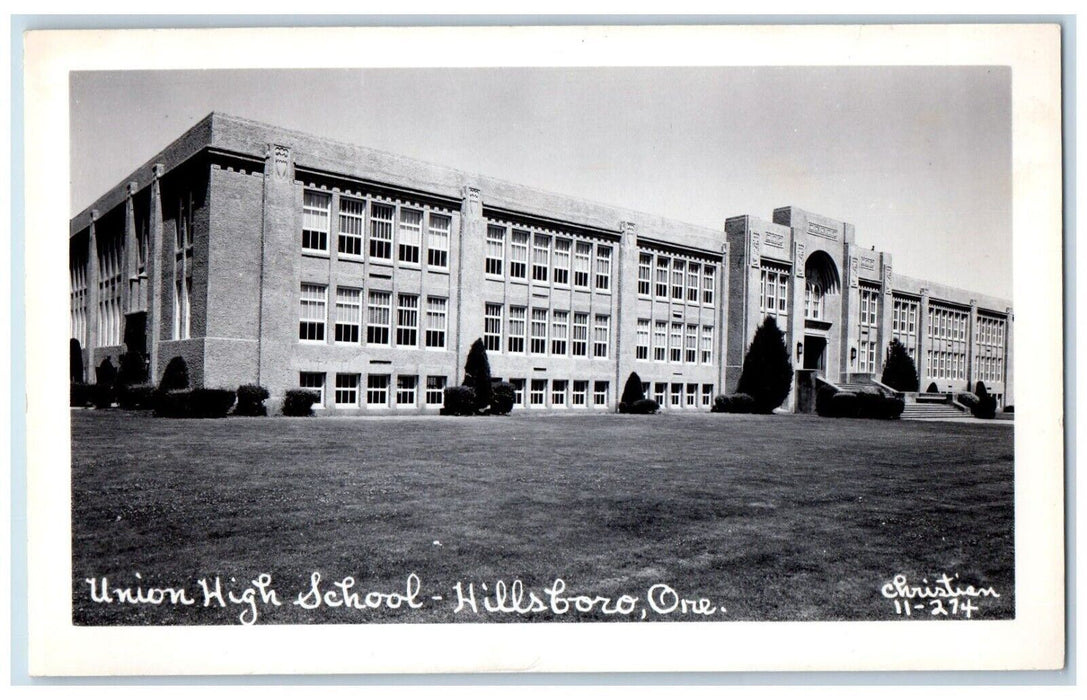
[{"x": 930, "y": 411}]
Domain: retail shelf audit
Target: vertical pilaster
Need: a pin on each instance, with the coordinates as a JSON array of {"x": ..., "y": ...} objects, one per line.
[
  {"x": 280, "y": 272},
  {"x": 626, "y": 313},
  {"x": 971, "y": 347},
  {"x": 886, "y": 309},
  {"x": 720, "y": 299},
  {"x": 795, "y": 331},
  {"x": 155, "y": 262},
  {"x": 473, "y": 235},
  {"x": 1009, "y": 345},
  {"x": 93, "y": 313},
  {"x": 922, "y": 340},
  {"x": 130, "y": 253},
  {"x": 850, "y": 321}
]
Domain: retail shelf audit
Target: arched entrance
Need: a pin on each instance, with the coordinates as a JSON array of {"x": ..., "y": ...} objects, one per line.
[{"x": 821, "y": 281}]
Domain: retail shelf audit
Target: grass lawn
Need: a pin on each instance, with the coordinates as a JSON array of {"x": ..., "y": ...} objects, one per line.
[{"x": 772, "y": 517}]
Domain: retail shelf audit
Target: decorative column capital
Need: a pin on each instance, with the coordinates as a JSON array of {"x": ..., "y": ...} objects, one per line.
[{"x": 157, "y": 171}]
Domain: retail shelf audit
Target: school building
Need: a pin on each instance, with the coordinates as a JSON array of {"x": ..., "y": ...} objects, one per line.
[{"x": 268, "y": 256}]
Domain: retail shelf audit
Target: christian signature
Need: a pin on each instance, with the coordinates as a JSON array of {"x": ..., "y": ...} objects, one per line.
[{"x": 944, "y": 596}]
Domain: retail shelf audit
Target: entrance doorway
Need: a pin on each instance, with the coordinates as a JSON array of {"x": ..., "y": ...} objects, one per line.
[{"x": 815, "y": 350}]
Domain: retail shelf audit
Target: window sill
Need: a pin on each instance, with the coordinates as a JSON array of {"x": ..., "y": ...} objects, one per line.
[
  {"x": 350, "y": 258},
  {"x": 315, "y": 253}
]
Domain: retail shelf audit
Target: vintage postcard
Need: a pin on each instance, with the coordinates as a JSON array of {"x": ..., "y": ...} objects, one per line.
[{"x": 545, "y": 349}]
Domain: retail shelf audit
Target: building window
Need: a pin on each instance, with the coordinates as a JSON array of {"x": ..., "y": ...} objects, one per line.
[
  {"x": 405, "y": 389},
  {"x": 579, "y": 397},
  {"x": 641, "y": 348},
  {"x": 377, "y": 390},
  {"x": 603, "y": 267},
  {"x": 692, "y": 395},
  {"x": 645, "y": 273},
  {"x": 774, "y": 292},
  {"x": 560, "y": 329},
  {"x": 679, "y": 270},
  {"x": 904, "y": 324},
  {"x": 348, "y": 314},
  {"x": 347, "y": 390},
  {"x": 492, "y": 327},
  {"x": 437, "y": 244},
  {"x": 709, "y": 275},
  {"x": 435, "y": 390},
  {"x": 579, "y": 347},
  {"x": 601, "y": 333},
  {"x": 539, "y": 331},
  {"x": 582, "y": 254},
  {"x": 496, "y": 250},
  {"x": 558, "y": 392},
  {"x": 536, "y": 392},
  {"x": 311, "y": 325},
  {"x": 947, "y": 340},
  {"x": 379, "y": 316},
  {"x": 562, "y": 261},
  {"x": 600, "y": 394},
  {"x": 518, "y": 391},
  {"x": 407, "y": 320},
  {"x": 675, "y": 347},
  {"x": 676, "y": 395},
  {"x": 182, "y": 315},
  {"x": 813, "y": 301},
  {"x": 352, "y": 225},
  {"x": 517, "y": 329},
  {"x": 868, "y": 348},
  {"x": 662, "y": 277},
  {"x": 707, "y": 395},
  {"x": 694, "y": 271},
  {"x": 707, "y": 345},
  {"x": 660, "y": 393},
  {"x": 660, "y": 341},
  {"x": 691, "y": 349},
  {"x": 435, "y": 322},
  {"x": 410, "y": 236},
  {"x": 381, "y": 231},
  {"x": 990, "y": 349},
  {"x": 541, "y": 253},
  {"x": 315, "y": 221},
  {"x": 313, "y": 381},
  {"x": 519, "y": 254}
]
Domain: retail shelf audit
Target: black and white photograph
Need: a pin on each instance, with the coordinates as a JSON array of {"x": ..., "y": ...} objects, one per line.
[{"x": 575, "y": 351}]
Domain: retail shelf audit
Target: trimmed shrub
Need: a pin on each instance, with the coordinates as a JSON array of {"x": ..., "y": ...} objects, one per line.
[
  {"x": 632, "y": 393},
  {"x": 986, "y": 406},
  {"x": 173, "y": 404},
  {"x": 477, "y": 374},
  {"x": 742, "y": 403},
  {"x": 893, "y": 407},
  {"x": 899, "y": 372},
  {"x": 299, "y": 402},
  {"x": 211, "y": 403},
  {"x": 843, "y": 405},
  {"x": 1009, "y": 409},
  {"x": 133, "y": 369},
  {"x": 824, "y": 400},
  {"x": 176, "y": 375},
  {"x": 644, "y": 407},
  {"x": 80, "y": 395},
  {"x": 932, "y": 389},
  {"x": 767, "y": 374},
  {"x": 720, "y": 404},
  {"x": 251, "y": 401},
  {"x": 967, "y": 399},
  {"x": 459, "y": 401},
  {"x": 105, "y": 373},
  {"x": 140, "y": 397},
  {"x": 501, "y": 399},
  {"x": 75, "y": 362}
]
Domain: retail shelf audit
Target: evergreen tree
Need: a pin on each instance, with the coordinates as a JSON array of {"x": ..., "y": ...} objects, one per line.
[
  {"x": 632, "y": 392},
  {"x": 767, "y": 374},
  {"x": 75, "y": 361},
  {"x": 986, "y": 405},
  {"x": 477, "y": 374},
  {"x": 899, "y": 372}
]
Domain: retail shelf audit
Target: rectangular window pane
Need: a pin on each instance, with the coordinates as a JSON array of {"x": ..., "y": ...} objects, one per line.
[
  {"x": 379, "y": 317},
  {"x": 311, "y": 325},
  {"x": 410, "y": 235},
  {"x": 519, "y": 255},
  {"x": 313, "y": 381},
  {"x": 580, "y": 344},
  {"x": 600, "y": 394},
  {"x": 352, "y": 217},
  {"x": 348, "y": 314},
  {"x": 496, "y": 249},
  {"x": 435, "y": 322},
  {"x": 645, "y": 272},
  {"x": 536, "y": 392},
  {"x": 539, "y": 331},
  {"x": 579, "y": 397},
  {"x": 641, "y": 348},
  {"x": 381, "y": 231},
  {"x": 435, "y": 390},
  {"x": 601, "y": 333},
  {"x": 582, "y": 254},
  {"x": 377, "y": 390},
  {"x": 660, "y": 341},
  {"x": 603, "y": 267},
  {"x": 347, "y": 390},
  {"x": 560, "y": 327},
  {"x": 315, "y": 220},
  {"x": 562, "y": 261},
  {"x": 558, "y": 392},
  {"x": 541, "y": 252},
  {"x": 405, "y": 389},
  {"x": 407, "y": 320},
  {"x": 517, "y": 329},
  {"x": 492, "y": 327},
  {"x": 437, "y": 247}
]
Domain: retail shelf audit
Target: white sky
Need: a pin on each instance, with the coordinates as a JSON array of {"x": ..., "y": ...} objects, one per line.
[{"x": 918, "y": 158}]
